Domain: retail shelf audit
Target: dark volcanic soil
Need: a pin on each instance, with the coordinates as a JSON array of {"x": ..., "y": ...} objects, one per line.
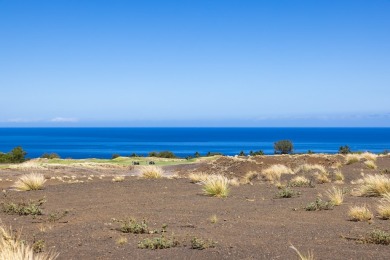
[{"x": 252, "y": 223}]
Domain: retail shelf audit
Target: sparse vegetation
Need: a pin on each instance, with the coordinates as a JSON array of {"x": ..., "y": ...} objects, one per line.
[
  {"x": 336, "y": 196},
  {"x": 374, "y": 186},
  {"x": 121, "y": 241},
  {"x": 23, "y": 208},
  {"x": 130, "y": 225},
  {"x": 31, "y": 181},
  {"x": 283, "y": 147},
  {"x": 216, "y": 186},
  {"x": 16, "y": 155},
  {"x": 254, "y": 153},
  {"x": 339, "y": 176},
  {"x": 319, "y": 205},
  {"x": 200, "y": 244},
  {"x": 12, "y": 247},
  {"x": 214, "y": 219},
  {"x": 198, "y": 177},
  {"x": 118, "y": 178},
  {"x": 300, "y": 181},
  {"x": 274, "y": 172},
  {"x": 151, "y": 172},
  {"x": 160, "y": 242},
  {"x": 286, "y": 193},
  {"x": 378, "y": 237},
  {"x": 163, "y": 154},
  {"x": 352, "y": 158},
  {"x": 38, "y": 246},
  {"x": 50, "y": 156},
  {"x": 249, "y": 177},
  {"x": 360, "y": 213},
  {"x": 370, "y": 164},
  {"x": 301, "y": 256},
  {"x": 384, "y": 206}
]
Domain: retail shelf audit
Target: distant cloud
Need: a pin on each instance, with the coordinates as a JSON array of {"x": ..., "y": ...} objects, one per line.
[
  {"x": 64, "y": 120},
  {"x": 21, "y": 120}
]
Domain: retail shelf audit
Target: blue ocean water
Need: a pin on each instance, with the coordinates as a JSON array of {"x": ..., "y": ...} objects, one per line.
[{"x": 103, "y": 142}]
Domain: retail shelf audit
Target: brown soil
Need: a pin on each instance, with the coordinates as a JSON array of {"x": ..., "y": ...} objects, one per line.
[{"x": 252, "y": 223}]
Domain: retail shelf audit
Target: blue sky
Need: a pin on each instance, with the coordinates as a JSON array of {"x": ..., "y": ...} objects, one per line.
[{"x": 194, "y": 63}]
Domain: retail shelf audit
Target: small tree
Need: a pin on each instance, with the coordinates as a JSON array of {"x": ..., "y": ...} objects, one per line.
[
  {"x": 242, "y": 153},
  {"x": 344, "y": 149},
  {"x": 197, "y": 155},
  {"x": 283, "y": 147},
  {"x": 254, "y": 153},
  {"x": 17, "y": 155}
]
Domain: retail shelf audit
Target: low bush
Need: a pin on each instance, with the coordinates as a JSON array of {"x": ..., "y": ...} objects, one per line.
[
  {"x": 319, "y": 205},
  {"x": 160, "y": 242},
  {"x": 360, "y": 213},
  {"x": 344, "y": 149},
  {"x": 378, "y": 237},
  {"x": 130, "y": 225},
  {"x": 16, "y": 155},
  {"x": 283, "y": 147},
  {"x": 200, "y": 244},
  {"x": 23, "y": 208},
  {"x": 287, "y": 193},
  {"x": 50, "y": 156}
]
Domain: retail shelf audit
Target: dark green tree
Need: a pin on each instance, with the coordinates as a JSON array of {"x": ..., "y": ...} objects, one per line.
[
  {"x": 283, "y": 147},
  {"x": 344, "y": 149}
]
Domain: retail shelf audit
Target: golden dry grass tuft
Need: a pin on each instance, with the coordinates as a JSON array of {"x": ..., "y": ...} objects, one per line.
[
  {"x": 198, "y": 177},
  {"x": 370, "y": 164},
  {"x": 310, "y": 167},
  {"x": 214, "y": 219},
  {"x": 335, "y": 195},
  {"x": 151, "y": 172},
  {"x": 369, "y": 156},
  {"x": 299, "y": 181},
  {"x": 352, "y": 158},
  {"x": 31, "y": 181},
  {"x": 249, "y": 177},
  {"x": 301, "y": 256},
  {"x": 274, "y": 172},
  {"x": 360, "y": 213},
  {"x": 384, "y": 206},
  {"x": 234, "y": 182},
  {"x": 11, "y": 247},
  {"x": 118, "y": 178},
  {"x": 216, "y": 186},
  {"x": 121, "y": 241},
  {"x": 339, "y": 176},
  {"x": 374, "y": 186}
]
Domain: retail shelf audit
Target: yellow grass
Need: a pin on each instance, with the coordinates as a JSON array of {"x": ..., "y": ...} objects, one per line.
[
  {"x": 198, "y": 177},
  {"x": 299, "y": 181},
  {"x": 339, "y": 176},
  {"x": 352, "y": 158},
  {"x": 121, "y": 241},
  {"x": 301, "y": 256},
  {"x": 31, "y": 181},
  {"x": 11, "y": 247},
  {"x": 118, "y": 178},
  {"x": 322, "y": 177},
  {"x": 214, "y": 219},
  {"x": 335, "y": 195},
  {"x": 216, "y": 185},
  {"x": 370, "y": 164},
  {"x": 249, "y": 177},
  {"x": 374, "y": 186},
  {"x": 151, "y": 172},
  {"x": 274, "y": 172},
  {"x": 384, "y": 206},
  {"x": 234, "y": 182},
  {"x": 369, "y": 156},
  {"x": 360, "y": 213},
  {"x": 311, "y": 167}
]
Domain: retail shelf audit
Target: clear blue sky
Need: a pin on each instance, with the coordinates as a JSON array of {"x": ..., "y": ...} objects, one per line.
[{"x": 195, "y": 63}]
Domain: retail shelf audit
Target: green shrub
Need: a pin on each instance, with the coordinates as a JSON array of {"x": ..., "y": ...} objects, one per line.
[
  {"x": 254, "y": 153},
  {"x": 287, "y": 193},
  {"x": 131, "y": 225},
  {"x": 200, "y": 244},
  {"x": 16, "y": 155},
  {"x": 197, "y": 155},
  {"x": 242, "y": 153},
  {"x": 283, "y": 147},
  {"x": 162, "y": 154},
  {"x": 23, "y": 208},
  {"x": 50, "y": 156},
  {"x": 319, "y": 205},
  {"x": 378, "y": 237},
  {"x": 344, "y": 149},
  {"x": 115, "y": 155},
  {"x": 160, "y": 242}
]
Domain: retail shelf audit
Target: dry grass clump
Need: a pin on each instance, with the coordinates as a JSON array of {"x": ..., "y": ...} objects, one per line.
[
  {"x": 360, "y": 213},
  {"x": 152, "y": 172},
  {"x": 234, "y": 182},
  {"x": 249, "y": 177},
  {"x": 11, "y": 247},
  {"x": 384, "y": 206},
  {"x": 31, "y": 181},
  {"x": 214, "y": 219},
  {"x": 339, "y": 176},
  {"x": 274, "y": 172},
  {"x": 369, "y": 156},
  {"x": 374, "y": 186},
  {"x": 336, "y": 196},
  {"x": 216, "y": 186},
  {"x": 300, "y": 181},
  {"x": 352, "y": 158},
  {"x": 370, "y": 164},
  {"x": 301, "y": 256},
  {"x": 310, "y": 167},
  {"x": 198, "y": 177},
  {"x": 118, "y": 178}
]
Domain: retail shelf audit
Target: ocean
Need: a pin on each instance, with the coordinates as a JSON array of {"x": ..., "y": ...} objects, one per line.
[{"x": 103, "y": 142}]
